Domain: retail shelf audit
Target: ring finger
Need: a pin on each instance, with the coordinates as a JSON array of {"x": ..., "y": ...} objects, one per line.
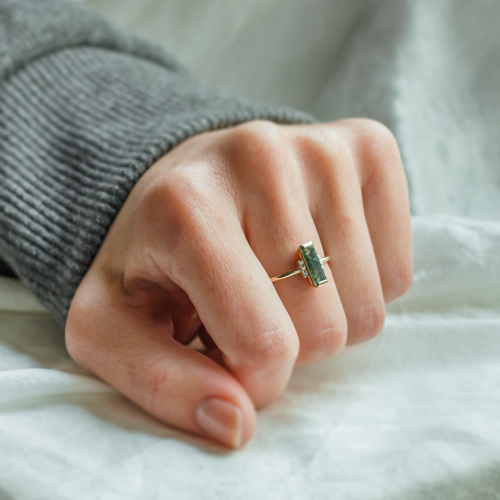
[{"x": 279, "y": 221}]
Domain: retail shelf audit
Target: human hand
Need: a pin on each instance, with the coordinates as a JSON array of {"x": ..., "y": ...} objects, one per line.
[{"x": 192, "y": 251}]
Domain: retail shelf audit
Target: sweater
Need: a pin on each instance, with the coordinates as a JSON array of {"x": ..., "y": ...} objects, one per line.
[{"x": 85, "y": 109}]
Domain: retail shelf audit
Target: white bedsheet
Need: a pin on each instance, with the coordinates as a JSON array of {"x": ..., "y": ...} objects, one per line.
[{"x": 412, "y": 414}]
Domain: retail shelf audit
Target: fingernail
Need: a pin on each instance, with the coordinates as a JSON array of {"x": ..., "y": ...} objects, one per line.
[{"x": 221, "y": 420}]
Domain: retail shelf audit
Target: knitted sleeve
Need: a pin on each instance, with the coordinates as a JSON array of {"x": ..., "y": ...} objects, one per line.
[{"x": 85, "y": 109}]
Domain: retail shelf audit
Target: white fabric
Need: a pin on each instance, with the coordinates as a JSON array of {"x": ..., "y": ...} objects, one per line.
[{"x": 412, "y": 414}]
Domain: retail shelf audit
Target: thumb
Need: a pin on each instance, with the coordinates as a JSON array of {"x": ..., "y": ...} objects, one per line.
[{"x": 172, "y": 382}]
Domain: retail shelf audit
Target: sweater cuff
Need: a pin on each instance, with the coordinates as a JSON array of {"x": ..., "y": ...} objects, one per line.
[{"x": 78, "y": 127}]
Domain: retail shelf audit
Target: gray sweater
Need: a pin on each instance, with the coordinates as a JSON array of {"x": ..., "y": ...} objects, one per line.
[{"x": 85, "y": 109}]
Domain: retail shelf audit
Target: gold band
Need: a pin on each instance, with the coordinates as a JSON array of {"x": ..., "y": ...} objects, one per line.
[
  {"x": 296, "y": 271},
  {"x": 310, "y": 265}
]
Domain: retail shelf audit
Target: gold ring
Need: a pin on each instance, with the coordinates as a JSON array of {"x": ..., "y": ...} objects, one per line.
[{"x": 310, "y": 265}]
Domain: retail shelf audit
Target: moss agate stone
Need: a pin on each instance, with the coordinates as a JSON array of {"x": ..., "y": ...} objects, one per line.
[{"x": 313, "y": 264}]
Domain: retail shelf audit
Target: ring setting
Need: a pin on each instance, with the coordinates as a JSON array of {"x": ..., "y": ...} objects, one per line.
[{"x": 310, "y": 265}]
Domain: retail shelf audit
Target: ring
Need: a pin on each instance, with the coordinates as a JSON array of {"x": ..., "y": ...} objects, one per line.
[{"x": 310, "y": 265}]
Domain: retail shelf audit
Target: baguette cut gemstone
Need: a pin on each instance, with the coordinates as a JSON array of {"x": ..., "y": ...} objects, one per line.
[{"x": 311, "y": 259}]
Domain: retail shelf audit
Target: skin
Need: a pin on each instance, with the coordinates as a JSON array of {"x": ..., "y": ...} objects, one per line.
[{"x": 191, "y": 253}]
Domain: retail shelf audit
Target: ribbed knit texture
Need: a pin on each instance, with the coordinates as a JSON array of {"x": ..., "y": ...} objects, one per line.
[
  {"x": 78, "y": 127},
  {"x": 32, "y": 28}
]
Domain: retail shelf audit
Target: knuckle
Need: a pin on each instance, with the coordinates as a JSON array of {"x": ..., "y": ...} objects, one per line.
[
  {"x": 152, "y": 383},
  {"x": 332, "y": 159},
  {"x": 367, "y": 322},
  {"x": 192, "y": 212},
  {"x": 378, "y": 147},
  {"x": 156, "y": 201},
  {"x": 373, "y": 131},
  {"x": 255, "y": 135},
  {"x": 273, "y": 346},
  {"x": 326, "y": 145},
  {"x": 327, "y": 341},
  {"x": 262, "y": 145},
  {"x": 398, "y": 282},
  {"x": 180, "y": 200},
  {"x": 264, "y": 160},
  {"x": 375, "y": 152}
]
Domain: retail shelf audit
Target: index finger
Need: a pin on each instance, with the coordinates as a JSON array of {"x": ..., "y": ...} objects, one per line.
[{"x": 214, "y": 264}]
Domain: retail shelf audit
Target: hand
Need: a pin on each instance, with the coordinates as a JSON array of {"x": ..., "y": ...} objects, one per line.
[{"x": 192, "y": 251}]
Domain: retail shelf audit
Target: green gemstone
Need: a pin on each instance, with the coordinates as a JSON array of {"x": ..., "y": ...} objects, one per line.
[{"x": 311, "y": 259}]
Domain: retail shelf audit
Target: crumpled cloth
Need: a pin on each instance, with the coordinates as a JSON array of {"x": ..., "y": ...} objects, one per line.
[{"x": 414, "y": 413}]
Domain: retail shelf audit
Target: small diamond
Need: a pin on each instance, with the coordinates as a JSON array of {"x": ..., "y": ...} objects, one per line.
[
  {"x": 304, "y": 273},
  {"x": 303, "y": 268},
  {"x": 301, "y": 263}
]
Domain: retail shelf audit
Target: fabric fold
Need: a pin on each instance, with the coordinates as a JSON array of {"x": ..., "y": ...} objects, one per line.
[{"x": 21, "y": 385}]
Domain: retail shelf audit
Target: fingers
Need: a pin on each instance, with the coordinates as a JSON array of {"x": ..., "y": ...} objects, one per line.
[
  {"x": 385, "y": 201},
  {"x": 170, "y": 381},
  {"x": 201, "y": 241},
  {"x": 338, "y": 213},
  {"x": 362, "y": 215},
  {"x": 242, "y": 313},
  {"x": 233, "y": 295},
  {"x": 278, "y": 221}
]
